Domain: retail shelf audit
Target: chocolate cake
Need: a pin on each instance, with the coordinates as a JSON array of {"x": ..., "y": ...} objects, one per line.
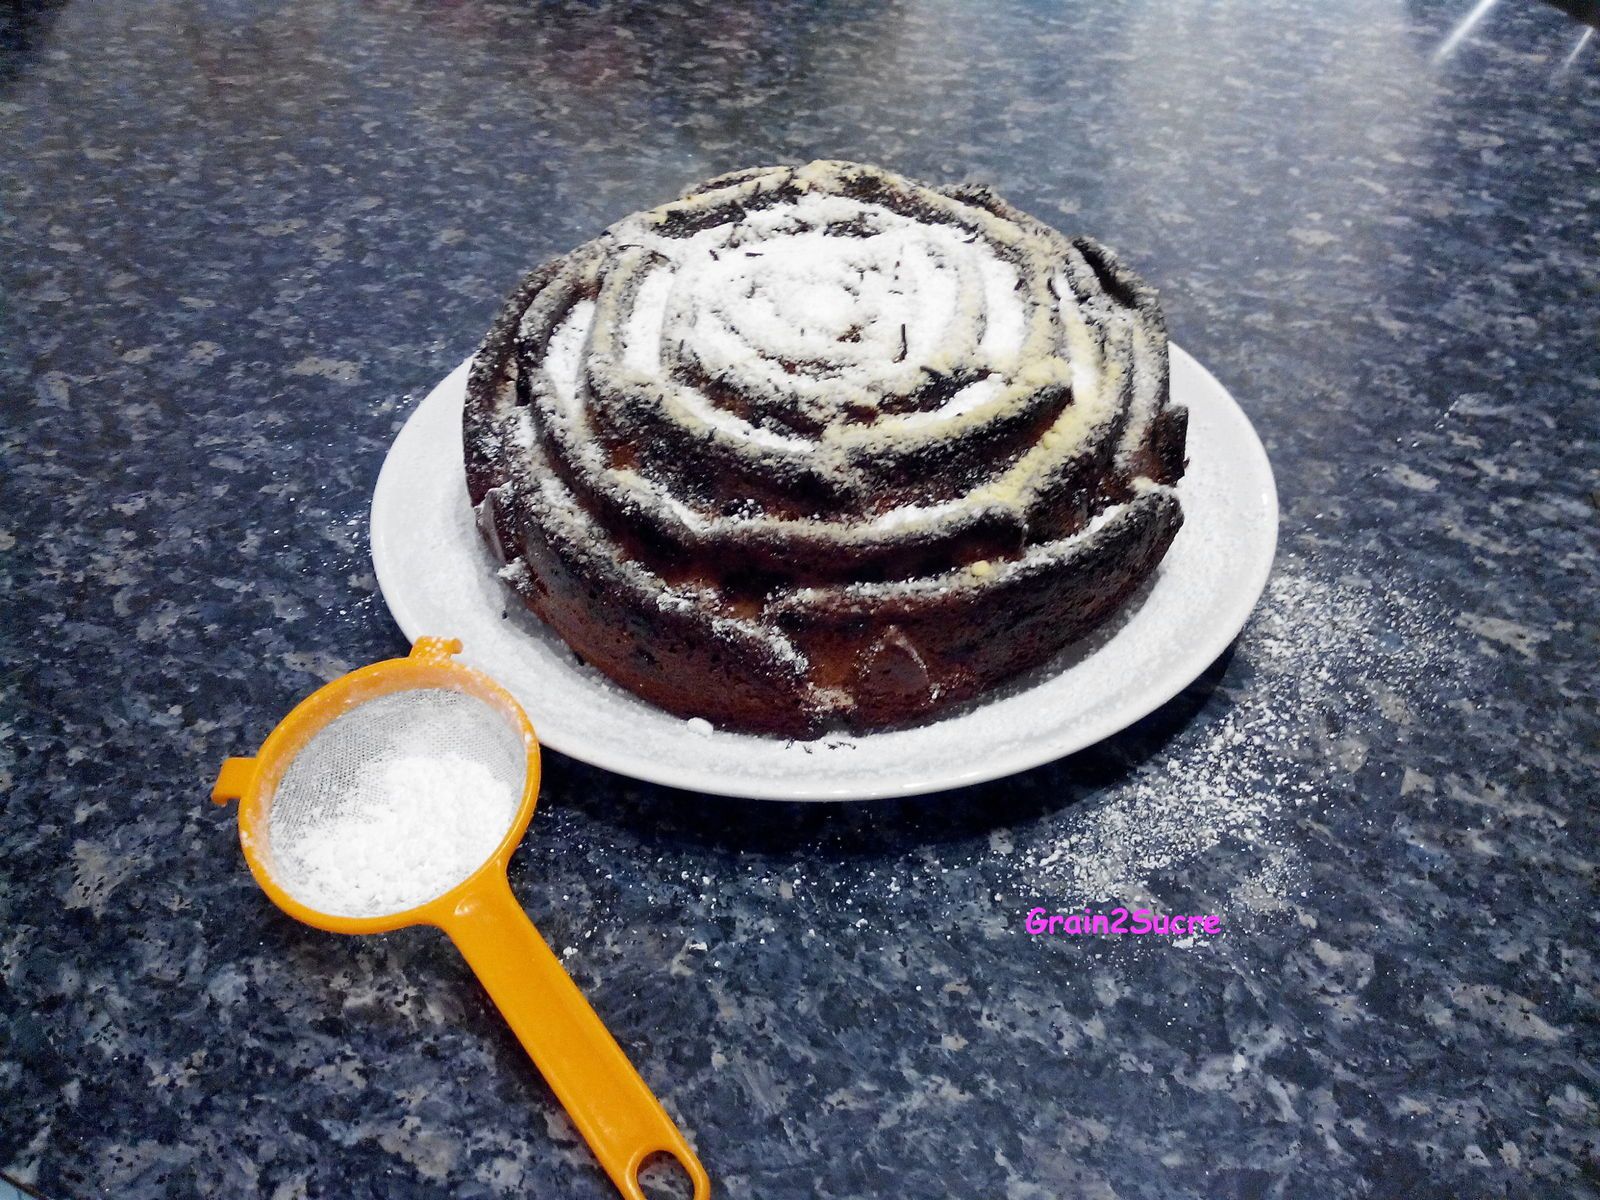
[{"x": 818, "y": 446}]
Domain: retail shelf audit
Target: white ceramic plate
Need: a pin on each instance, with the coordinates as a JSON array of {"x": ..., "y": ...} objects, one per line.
[{"x": 439, "y": 579}]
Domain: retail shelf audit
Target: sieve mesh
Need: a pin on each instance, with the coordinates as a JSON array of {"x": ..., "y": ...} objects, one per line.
[{"x": 395, "y": 802}]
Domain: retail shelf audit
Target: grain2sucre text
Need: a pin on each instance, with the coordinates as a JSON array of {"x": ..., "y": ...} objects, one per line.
[{"x": 1040, "y": 922}]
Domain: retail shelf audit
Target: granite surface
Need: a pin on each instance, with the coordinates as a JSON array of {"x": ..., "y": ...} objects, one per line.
[{"x": 238, "y": 242}]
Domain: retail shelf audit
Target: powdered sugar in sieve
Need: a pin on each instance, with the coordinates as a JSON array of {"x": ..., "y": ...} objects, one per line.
[{"x": 395, "y": 802}]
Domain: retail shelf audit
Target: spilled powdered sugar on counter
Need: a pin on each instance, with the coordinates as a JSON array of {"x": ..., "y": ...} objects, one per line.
[{"x": 1317, "y": 652}]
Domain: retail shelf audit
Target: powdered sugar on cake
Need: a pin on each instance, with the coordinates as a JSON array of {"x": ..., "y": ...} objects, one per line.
[{"x": 796, "y": 404}]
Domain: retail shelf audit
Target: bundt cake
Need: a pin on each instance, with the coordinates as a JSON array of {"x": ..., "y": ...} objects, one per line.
[{"x": 820, "y": 447}]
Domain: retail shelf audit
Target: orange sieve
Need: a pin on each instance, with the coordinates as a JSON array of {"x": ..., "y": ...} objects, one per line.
[{"x": 322, "y": 768}]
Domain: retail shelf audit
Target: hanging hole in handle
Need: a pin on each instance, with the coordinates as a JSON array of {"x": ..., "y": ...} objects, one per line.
[{"x": 662, "y": 1177}]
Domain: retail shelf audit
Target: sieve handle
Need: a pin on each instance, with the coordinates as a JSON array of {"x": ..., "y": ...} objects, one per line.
[{"x": 605, "y": 1097}]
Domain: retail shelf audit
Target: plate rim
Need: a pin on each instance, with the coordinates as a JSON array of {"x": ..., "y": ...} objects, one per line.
[{"x": 982, "y": 769}]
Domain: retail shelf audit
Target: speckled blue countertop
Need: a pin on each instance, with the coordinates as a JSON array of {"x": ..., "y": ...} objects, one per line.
[{"x": 239, "y": 242}]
